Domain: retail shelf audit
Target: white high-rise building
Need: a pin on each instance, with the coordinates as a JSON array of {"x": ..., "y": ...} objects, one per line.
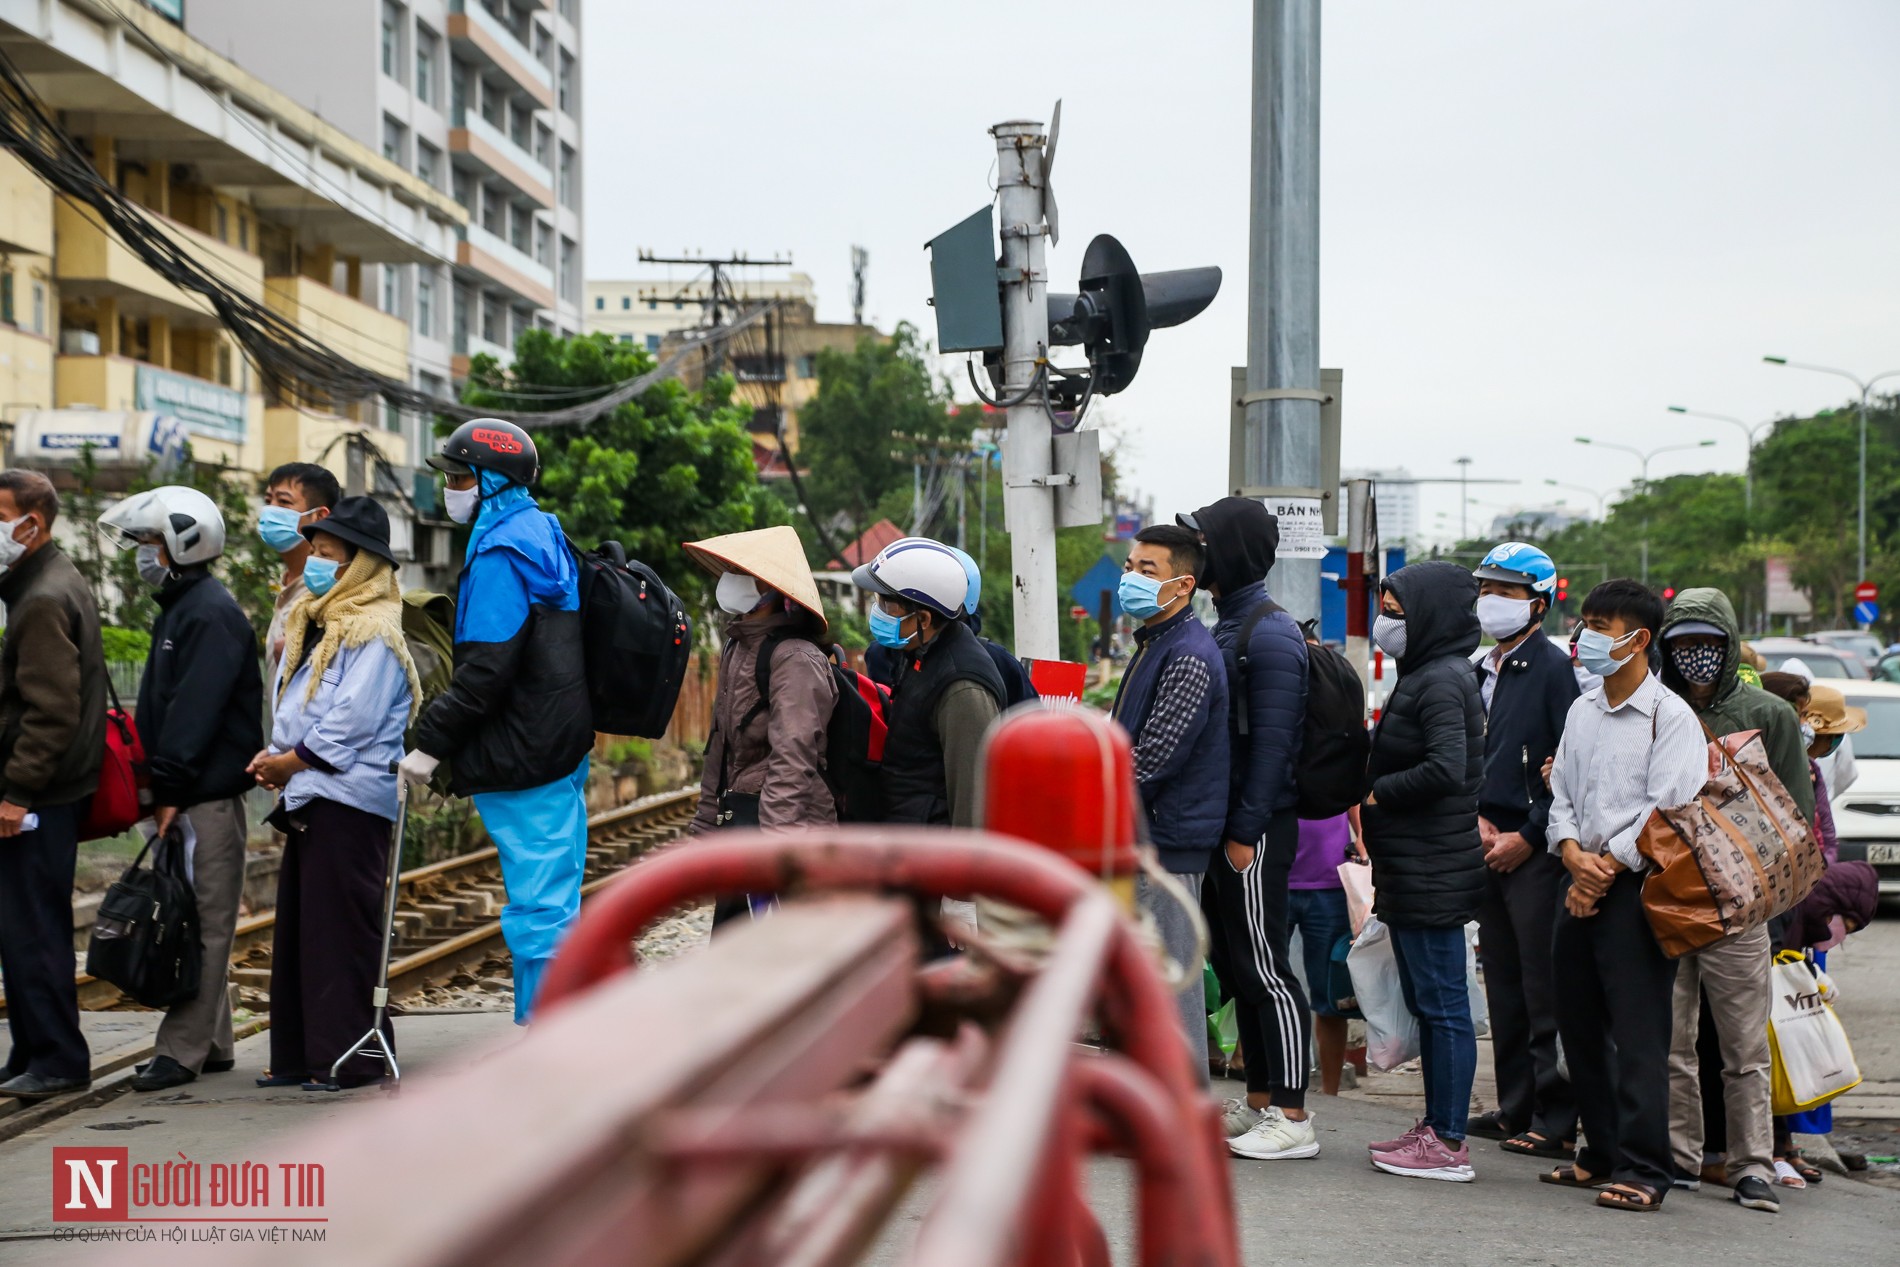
[
  {"x": 478, "y": 98},
  {"x": 1397, "y": 500}
]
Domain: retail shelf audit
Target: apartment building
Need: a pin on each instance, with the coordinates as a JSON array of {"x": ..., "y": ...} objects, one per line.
[
  {"x": 480, "y": 99},
  {"x": 97, "y": 348}
]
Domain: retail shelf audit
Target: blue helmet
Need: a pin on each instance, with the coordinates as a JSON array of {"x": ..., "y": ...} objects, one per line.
[
  {"x": 1519, "y": 563},
  {"x": 974, "y": 577}
]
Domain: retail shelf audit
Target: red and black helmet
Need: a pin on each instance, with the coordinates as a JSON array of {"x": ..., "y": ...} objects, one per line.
[{"x": 489, "y": 444}]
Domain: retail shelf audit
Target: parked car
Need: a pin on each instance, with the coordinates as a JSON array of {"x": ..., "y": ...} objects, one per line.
[
  {"x": 1867, "y": 815},
  {"x": 1857, "y": 641},
  {"x": 1822, "y": 661}
]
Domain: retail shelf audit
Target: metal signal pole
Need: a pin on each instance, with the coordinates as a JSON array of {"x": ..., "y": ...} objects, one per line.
[{"x": 1029, "y": 502}]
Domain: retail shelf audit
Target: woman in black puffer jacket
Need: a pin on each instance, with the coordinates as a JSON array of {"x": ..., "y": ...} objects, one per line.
[{"x": 1421, "y": 830}]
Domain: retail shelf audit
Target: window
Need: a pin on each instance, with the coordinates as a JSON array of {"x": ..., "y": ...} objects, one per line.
[
  {"x": 244, "y": 231},
  {"x": 600, "y": 302},
  {"x": 392, "y": 419},
  {"x": 570, "y": 280},
  {"x": 6, "y": 296},
  {"x": 626, "y": 338},
  {"x": 392, "y": 289},
  {"x": 543, "y": 46},
  {"x": 425, "y": 303},
  {"x": 518, "y": 217},
  {"x": 492, "y": 322},
  {"x": 392, "y": 40},
  {"x": 224, "y": 363},
  {"x": 653, "y": 305},
  {"x": 570, "y": 9},
  {"x": 518, "y": 128},
  {"x": 395, "y": 141},
  {"x": 39, "y": 308},
  {"x": 564, "y": 92},
  {"x": 567, "y": 175},
  {"x": 543, "y": 145},
  {"x": 222, "y": 220},
  {"x": 428, "y": 50},
  {"x": 462, "y": 188},
  {"x": 494, "y": 106},
  {"x": 808, "y": 366},
  {"x": 493, "y": 212},
  {"x": 459, "y": 77},
  {"x": 543, "y": 244},
  {"x": 428, "y": 163},
  {"x": 653, "y": 343},
  {"x": 626, "y": 302}
]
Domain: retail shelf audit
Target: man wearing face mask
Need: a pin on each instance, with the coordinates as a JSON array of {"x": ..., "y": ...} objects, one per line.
[
  {"x": 200, "y": 717},
  {"x": 52, "y": 735},
  {"x": 1701, "y": 658},
  {"x": 947, "y": 691},
  {"x": 1173, "y": 702},
  {"x": 514, "y": 722},
  {"x": 296, "y": 495},
  {"x": 1527, "y": 686}
]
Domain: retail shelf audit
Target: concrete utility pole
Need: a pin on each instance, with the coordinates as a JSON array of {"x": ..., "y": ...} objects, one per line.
[
  {"x": 1029, "y": 502},
  {"x": 1283, "y": 394}
]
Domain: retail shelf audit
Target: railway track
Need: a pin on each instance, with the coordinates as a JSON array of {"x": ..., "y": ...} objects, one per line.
[{"x": 448, "y": 915}]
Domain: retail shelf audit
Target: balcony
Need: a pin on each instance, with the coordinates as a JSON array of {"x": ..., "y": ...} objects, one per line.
[
  {"x": 224, "y": 423},
  {"x": 497, "y": 260},
  {"x": 484, "y": 39},
  {"x": 474, "y": 137},
  {"x": 90, "y": 262},
  {"x": 468, "y": 346},
  {"x": 26, "y": 210},
  {"x": 370, "y": 338},
  {"x": 296, "y": 435}
]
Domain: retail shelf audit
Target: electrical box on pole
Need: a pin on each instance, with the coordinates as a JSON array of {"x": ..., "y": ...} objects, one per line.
[{"x": 998, "y": 304}]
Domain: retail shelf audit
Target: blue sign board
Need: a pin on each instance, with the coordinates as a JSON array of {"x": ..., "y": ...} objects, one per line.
[
  {"x": 1105, "y": 577},
  {"x": 1332, "y": 598},
  {"x": 1866, "y": 613}
]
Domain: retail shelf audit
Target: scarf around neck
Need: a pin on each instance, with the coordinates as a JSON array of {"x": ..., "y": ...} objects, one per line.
[{"x": 365, "y": 605}]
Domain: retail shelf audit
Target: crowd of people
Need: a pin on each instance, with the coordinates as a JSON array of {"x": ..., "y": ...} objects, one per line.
[{"x": 1505, "y": 782}]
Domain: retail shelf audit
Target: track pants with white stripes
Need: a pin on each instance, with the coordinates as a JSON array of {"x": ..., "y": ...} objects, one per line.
[{"x": 1247, "y": 932}]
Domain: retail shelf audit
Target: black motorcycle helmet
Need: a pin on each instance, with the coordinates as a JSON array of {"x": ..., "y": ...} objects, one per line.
[{"x": 490, "y": 444}]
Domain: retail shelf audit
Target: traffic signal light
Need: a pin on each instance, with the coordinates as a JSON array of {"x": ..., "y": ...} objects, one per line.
[
  {"x": 1669, "y": 592},
  {"x": 1563, "y": 590}
]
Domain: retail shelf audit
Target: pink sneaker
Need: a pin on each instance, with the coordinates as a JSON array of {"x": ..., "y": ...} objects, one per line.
[
  {"x": 1427, "y": 1157},
  {"x": 1394, "y": 1145}
]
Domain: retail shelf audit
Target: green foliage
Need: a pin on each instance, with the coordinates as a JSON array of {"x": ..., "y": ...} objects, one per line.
[
  {"x": 877, "y": 389},
  {"x": 631, "y": 752},
  {"x": 125, "y": 646},
  {"x": 670, "y": 466}
]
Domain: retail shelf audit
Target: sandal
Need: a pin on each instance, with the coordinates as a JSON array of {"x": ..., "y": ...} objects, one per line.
[
  {"x": 1537, "y": 1144},
  {"x": 1639, "y": 1197},
  {"x": 1492, "y": 1125},
  {"x": 280, "y": 1080},
  {"x": 1803, "y": 1167},
  {"x": 1571, "y": 1177},
  {"x": 1786, "y": 1176}
]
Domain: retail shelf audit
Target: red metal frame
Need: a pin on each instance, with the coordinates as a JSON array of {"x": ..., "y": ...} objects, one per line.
[{"x": 1012, "y": 1186}]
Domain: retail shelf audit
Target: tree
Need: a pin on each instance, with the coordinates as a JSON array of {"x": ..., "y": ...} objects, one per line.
[
  {"x": 878, "y": 389},
  {"x": 670, "y": 466}
]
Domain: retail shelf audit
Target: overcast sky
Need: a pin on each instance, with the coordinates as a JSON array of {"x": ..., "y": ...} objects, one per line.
[{"x": 1538, "y": 220}]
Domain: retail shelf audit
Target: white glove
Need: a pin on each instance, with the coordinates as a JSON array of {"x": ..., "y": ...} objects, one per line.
[
  {"x": 418, "y": 767},
  {"x": 1824, "y": 984}
]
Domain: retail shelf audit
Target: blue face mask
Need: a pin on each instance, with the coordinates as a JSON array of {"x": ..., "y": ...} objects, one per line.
[
  {"x": 319, "y": 574},
  {"x": 1141, "y": 595},
  {"x": 1596, "y": 652},
  {"x": 277, "y": 525},
  {"x": 887, "y": 629}
]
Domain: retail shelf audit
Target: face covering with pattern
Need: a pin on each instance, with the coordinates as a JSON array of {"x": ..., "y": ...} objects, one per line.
[
  {"x": 1389, "y": 633},
  {"x": 1698, "y": 663}
]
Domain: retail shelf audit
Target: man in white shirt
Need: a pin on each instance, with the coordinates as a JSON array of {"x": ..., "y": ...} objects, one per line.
[{"x": 1629, "y": 747}]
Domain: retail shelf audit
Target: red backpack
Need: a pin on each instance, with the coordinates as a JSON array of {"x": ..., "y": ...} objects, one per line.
[{"x": 115, "y": 805}]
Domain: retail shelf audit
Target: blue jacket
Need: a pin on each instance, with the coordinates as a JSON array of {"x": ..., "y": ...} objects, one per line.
[
  {"x": 515, "y": 714},
  {"x": 348, "y": 732},
  {"x": 1265, "y": 760},
  {"x": 1529, "y": 703},
  {"x": 1182, "y": 791}
]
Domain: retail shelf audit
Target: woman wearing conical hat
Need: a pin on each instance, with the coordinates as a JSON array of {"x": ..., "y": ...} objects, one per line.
[{"x": 765, "y": 759}]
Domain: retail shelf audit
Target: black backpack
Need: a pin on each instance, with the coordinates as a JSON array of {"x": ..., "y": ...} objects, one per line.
[
  {"x": 635, "y": 638},
  {"x": 1334, "y": 743},
  {"x": 145, "y": 937},
  {"x": 854, "y": 738}
]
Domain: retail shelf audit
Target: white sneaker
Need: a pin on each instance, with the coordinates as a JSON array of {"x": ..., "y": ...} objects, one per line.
[
  {"x": 1237, "y": 1117},
  {"x": 1277, "y": 1137}
]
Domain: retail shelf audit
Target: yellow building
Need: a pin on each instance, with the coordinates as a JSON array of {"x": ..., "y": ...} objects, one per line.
[{"x": 280, "y": 205}]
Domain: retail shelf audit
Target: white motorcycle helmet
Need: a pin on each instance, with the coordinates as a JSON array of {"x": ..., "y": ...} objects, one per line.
[
  {"x": 186, "y": 520},
  {"x": 920, "y": 570}
]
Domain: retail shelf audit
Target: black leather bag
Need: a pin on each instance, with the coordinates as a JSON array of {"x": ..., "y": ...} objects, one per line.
[{"x": 145, "y": 937}]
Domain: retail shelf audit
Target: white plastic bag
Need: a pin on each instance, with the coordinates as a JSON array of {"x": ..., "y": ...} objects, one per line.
[
  {"x": 1474, "y": 988},
  {"x": 1391, "y": 1030},
  {"x": 1812, "y": 1061}
]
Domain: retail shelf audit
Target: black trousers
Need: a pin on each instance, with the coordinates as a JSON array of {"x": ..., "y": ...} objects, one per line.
[
  {"x": 1614, "y": 990},
  {"x": 1247, "y": 934},
  {"x": 36, "y": 946},
  {"x": 329, "y": 944},
  {"x": 1514, "y": 933}
]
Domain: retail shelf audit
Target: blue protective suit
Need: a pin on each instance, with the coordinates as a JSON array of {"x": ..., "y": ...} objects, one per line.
[{"x": 514, "y": 723}]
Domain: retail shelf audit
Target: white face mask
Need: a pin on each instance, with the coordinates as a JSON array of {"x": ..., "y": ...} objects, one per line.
[
  {"x": 737, "y": 593},
  {"x": 1389, "y": 633},
  {"x": 461, "y": 503},
  {"x": 11, "y": 550},
  {"x": 1502, "y": 617}
]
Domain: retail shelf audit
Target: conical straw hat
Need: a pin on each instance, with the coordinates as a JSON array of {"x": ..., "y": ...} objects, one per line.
[{"x": 774, "y": 555}]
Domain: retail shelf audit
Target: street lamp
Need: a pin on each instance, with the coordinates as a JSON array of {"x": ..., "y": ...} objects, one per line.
[
  {"x": 1860, "y": 573},
  {"x": 1748, "y": 462},
  {"x": 1644, "y": 457},
  {"x": 1588, "y": 492}
]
